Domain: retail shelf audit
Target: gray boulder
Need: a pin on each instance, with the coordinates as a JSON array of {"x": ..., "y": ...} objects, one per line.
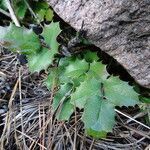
[{"x": 121, "y": 28}]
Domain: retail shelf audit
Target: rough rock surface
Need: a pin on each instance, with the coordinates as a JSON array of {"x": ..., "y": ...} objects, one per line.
[{"x": 121, "y": 28}]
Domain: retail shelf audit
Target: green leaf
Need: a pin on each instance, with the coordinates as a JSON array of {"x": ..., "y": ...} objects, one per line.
[
  {"x": 91, "y": 56},
  {"x": 77, "y": 81},
  {"x": 40, "y": 60},
  {"x": 62, "y": 96},
  {"x": 50, "y": 33},
  {"x": 3, "y": 5},
  {"x": 99, "y": 70},
  {"x": 55, "y": 77},
  {"x": 63, "y": 63},
  {"x": 120, "y": 93},
  {"x": 39, "y": 9},
  {"x": 49, "y": 15},
  {"x": 42, "y": 11},
  {"x": 96, "y": 134},
  {"x": 66, "y": 111},
  {"x": 99, "y": 114},
  {"x": 52, "y": 79},
  {"x": 45, "y": 56},
  {"x": 145, "y": 99},
  {"x": 96, "y": 94},
  {"x": 19, "y": 39},
  {"x": 72, "y": 70},
  {"x": 76, "y": 68},
  {"x": 66, "y": 61},
  {"x": 86, "y": 89},
  {"x": 20, "y": 8},
  {"x": 99, "y": 97}
]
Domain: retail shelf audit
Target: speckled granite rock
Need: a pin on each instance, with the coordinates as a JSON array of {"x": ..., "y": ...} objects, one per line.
[{"x": 121, "y": 28}]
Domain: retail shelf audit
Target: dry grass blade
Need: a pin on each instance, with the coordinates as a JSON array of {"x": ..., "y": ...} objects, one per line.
[
  {"x": 132, "y": 119},
  {"x": 32, "y": 139},
  {"x": 6, "y": 130}
]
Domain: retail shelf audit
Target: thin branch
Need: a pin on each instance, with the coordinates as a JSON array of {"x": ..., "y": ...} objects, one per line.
[
  {"x": 32, "y": 12},
  {"x": 5, "y": 13},
  {"x": 21, "y": 109},
  {"x": 30, "y": 9},
  {"x": 12, "y": 13}
]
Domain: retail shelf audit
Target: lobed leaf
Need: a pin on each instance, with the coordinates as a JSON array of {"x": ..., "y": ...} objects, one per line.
[
  {"x": 50, "y": 33},
  {"x": 87, "y": 89},
  {"x": 99, "y": 114},
  {"x": 45, "y": 56},
  {"x": 120, "y": 93},
  {"x": 76, "y": 68},
  {"x": 99, "y": 70},
  {"x": 40, "y": 61},
  {"x": 19, "y": 39},
  {"x": 91, "y": 56}
]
